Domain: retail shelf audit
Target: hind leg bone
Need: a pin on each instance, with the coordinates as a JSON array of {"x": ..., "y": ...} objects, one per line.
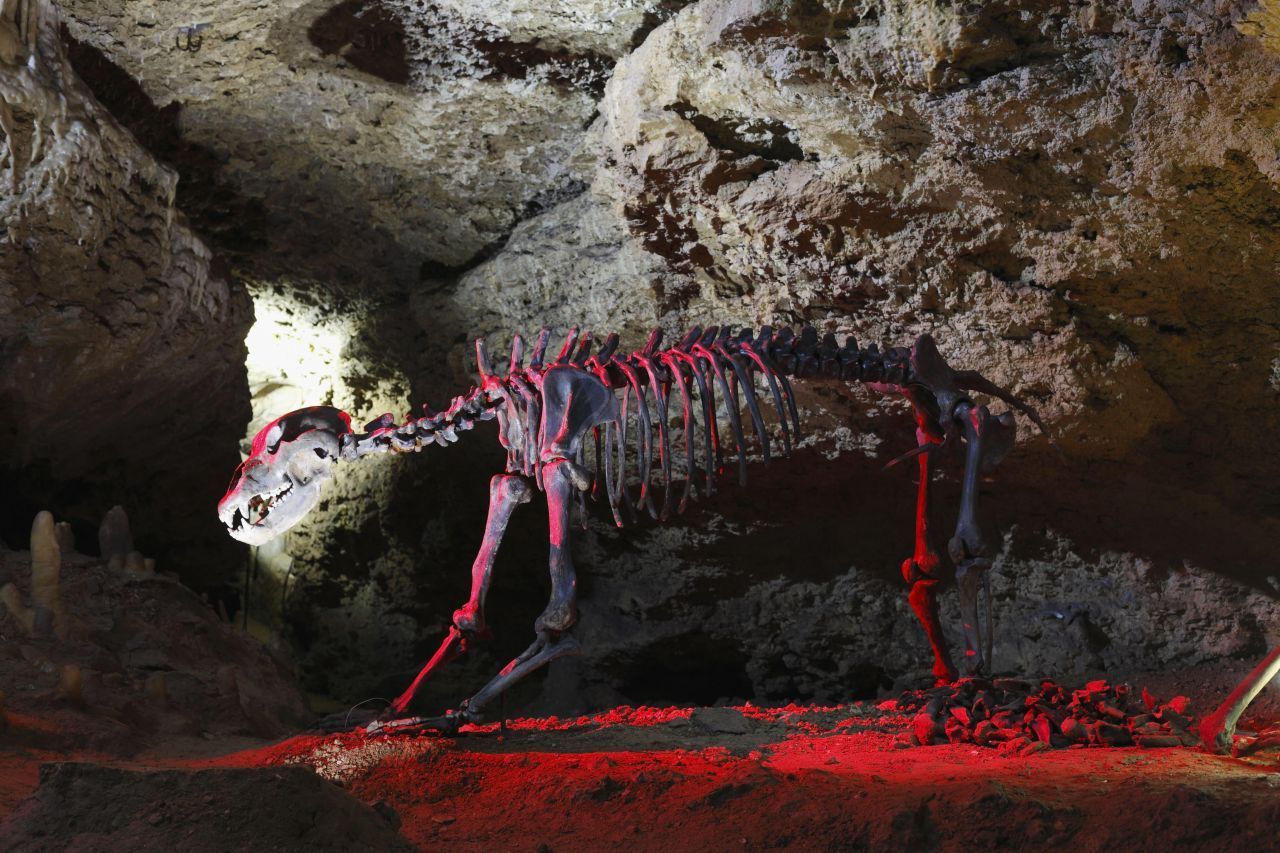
[{"x": 967, "y": 547}]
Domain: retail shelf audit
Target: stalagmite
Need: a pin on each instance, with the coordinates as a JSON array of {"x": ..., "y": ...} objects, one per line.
[
  {"x": 65, "y": 537},
  {"x": 114, "y": 539},
  {"x": 136, "y": 564},
  {"x": 71, "y": 684},
  {"x": 12, "y": 599},
  {"x": 46, "y": 569}
]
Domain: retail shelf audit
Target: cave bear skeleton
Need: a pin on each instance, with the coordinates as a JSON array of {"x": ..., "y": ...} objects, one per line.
[{"x": 550, "y": 412}]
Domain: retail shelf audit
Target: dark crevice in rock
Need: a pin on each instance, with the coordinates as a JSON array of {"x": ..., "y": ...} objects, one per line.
[
  {"x": 999, "y": 260},
  {"x": 445, "y": 276},
  {"x": 657, "y": 15},
  {"x": 691, "y": 668},
  {"x": 770, "y": 139},
  {"x": 218, "y": 211},
  {"x": 372, "y": 37},
  {"x": 513, "y": 60},
  {"x": 366, "y": 35}
]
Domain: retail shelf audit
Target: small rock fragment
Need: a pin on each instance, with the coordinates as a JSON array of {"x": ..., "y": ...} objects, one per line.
[
  {"x": 1113, "y": 735},
  {"x": 724, "y": 720},
  {"x": 926, "y": 728}
]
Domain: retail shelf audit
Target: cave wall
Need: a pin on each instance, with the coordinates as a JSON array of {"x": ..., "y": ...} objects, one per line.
[
  {"x": 121, "y": 339},
  {"x": 1079, "y": 199}
]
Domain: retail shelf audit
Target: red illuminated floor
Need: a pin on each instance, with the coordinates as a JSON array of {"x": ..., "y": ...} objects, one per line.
[{"x": 720, "y": 779}]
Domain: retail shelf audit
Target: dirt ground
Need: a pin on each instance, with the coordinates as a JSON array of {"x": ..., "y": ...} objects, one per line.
[{"x": 800, "y": 778}]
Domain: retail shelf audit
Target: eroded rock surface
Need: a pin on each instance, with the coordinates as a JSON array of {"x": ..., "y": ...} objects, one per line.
[
  {"x": 121, "y": 342},
  {"x": 1078, "y": 199},
  {"x": 136, "y": 655}
]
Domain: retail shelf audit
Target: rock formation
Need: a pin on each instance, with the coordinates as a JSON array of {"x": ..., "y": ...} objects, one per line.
[
  {"x": 1080, "y": 198},
  {"x": 108, "y": 656},
  {"x": 121, "y": 354}
]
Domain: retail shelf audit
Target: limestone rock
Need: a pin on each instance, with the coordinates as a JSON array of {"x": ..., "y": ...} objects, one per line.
[
  {"x": 123, "y": 362},
  {"x": 1080, "y": 200}
]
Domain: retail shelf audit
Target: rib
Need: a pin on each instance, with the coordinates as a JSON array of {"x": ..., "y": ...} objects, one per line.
[
  {"x": 735, "y": 421},
  {"x": 777, "y": 396},
  {"x": 673, "y": 365},
  {"x": 749, "y": 394},
  {"x": 609, "y": 429},
  {"x": 644, "y": 435},
  {"x": 708, "y": 416},
  {"x": 624, "y": 494},
  {"x": 785, "y": 338},
  {"x": 660, "y": 405},
  {"x": 595, "y": 482}
]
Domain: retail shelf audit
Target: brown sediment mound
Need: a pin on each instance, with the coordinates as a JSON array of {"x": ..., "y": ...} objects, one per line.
[{"x": 90, "y": 807}]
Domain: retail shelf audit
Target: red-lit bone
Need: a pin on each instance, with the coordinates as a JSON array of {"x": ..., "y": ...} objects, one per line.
[
  {"x": 1023, "y": 716},
  {"x": 1217, "y": 731},
  {"x": 545, "y": 413}
]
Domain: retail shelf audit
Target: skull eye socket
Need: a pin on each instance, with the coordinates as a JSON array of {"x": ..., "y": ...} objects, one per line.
[{"x": 322, "y": 453}]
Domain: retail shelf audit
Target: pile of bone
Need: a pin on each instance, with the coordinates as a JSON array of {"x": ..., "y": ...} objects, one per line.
[{"x": 1023, "y": 717}]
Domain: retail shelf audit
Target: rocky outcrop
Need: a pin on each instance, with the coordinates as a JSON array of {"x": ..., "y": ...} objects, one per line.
[
  {"x": 1079, "y": 199},
  {"x": 362, "y": 139},
  {"x": 112, "y": 654},
  {"x": 121, "y": 354}
]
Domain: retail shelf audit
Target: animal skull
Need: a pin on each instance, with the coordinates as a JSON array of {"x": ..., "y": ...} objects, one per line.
[{"x": 280, "y": 482}]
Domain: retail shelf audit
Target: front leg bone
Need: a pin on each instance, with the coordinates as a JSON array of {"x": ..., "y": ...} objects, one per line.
[
  {"x": 1217, "y": 729},
  {"x": 506, "y": 492},
  {"x": 923, "y": 571}
]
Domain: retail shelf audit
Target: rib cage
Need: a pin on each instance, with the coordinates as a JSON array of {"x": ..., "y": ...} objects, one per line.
[{"x": 671, "y": 399}]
